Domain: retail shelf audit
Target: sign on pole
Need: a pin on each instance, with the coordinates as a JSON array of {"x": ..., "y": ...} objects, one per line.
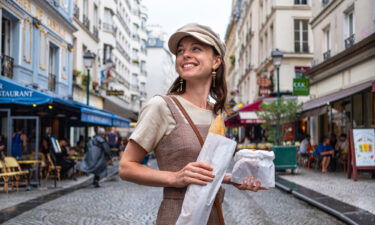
[{"x": 301, "y": 86}]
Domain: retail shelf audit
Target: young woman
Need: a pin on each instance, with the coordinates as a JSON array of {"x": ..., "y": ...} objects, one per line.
[{"x": 163, "y": 126}]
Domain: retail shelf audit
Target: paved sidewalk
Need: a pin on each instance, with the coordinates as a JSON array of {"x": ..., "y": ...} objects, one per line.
[
  {"x": 352, "y": 202},
  {"x": 14, "y": 198}
]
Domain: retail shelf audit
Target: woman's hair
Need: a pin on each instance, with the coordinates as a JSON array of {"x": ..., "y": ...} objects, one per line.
[{"x": 219, "y": 92}]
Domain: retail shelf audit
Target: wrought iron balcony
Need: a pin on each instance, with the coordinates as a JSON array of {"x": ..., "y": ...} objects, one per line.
[
  {"x": 327, "y": 55},
  {"x": 7, "y": 66},
  {"x": 349, "y": 41},
  {"x": 76, "y": 11},
  {"x": 109, "y": 28},
  {"x": 52, "y": 82},
  {"x": 86, "y": 21}
]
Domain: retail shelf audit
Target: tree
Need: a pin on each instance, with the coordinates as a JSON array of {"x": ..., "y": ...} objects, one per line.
[{"x": 286, "y": 112}]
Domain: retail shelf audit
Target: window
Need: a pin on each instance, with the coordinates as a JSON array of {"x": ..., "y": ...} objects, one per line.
[
  {"x": 107, "y": 53},
  {"x": 95, "y": 15},
  {"x": 349, "y": 33},
  {"x": 52, "y": 67},
  {"x": 327, "y": 43},
  {"x": 5, "y": 37},
  {"x": 300, "y": 2},
  {"x": 301, "y": 43},
  {"x": 85, "y": 7}
]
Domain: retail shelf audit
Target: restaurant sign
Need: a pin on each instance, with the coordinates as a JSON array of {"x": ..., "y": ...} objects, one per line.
[
  {"x": 114, "y": 92},
  {"x": 301, "y": 86}
]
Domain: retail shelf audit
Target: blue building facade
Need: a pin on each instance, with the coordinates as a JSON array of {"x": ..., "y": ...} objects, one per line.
[{"x": 36, "y": 44}]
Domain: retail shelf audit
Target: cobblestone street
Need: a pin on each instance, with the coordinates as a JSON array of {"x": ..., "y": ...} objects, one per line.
[{"x": 119, "y": 202}]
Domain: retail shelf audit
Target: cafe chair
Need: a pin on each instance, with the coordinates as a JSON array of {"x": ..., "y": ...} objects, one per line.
[
  {"x": 53, "y": 171},
  {"x": 13, "y": 166},
  {"x": 5, "y": 175}
]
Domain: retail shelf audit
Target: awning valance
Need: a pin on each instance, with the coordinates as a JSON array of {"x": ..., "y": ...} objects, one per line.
[
  {"x": 324, "y": 100},
  {"x": 13, "y": 93},
  {"x": 95, "y": 116},
  {"x": 118, "y": 121}
]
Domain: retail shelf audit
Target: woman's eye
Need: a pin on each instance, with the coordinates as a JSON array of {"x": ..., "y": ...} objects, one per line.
[
  {"x": 196, "y": 49},
  {"x": 179, "y": 51}
]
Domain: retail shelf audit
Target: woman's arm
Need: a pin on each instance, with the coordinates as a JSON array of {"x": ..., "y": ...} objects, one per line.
[{"x": 131, "y": 170}]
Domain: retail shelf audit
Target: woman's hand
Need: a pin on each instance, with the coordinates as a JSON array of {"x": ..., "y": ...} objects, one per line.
[
  {"x": 193, "y": 173},
  {"x": 248, "y": 183}
]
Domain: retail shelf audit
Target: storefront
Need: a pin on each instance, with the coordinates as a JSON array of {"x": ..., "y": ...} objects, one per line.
[
  {"x": 36, "y": 114},
  {"x": 338, "y": 112}
]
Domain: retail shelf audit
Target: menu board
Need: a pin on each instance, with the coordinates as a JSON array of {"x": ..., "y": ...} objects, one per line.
[
  {"x": 364, "y": 142},
  {"x": 55, "y": 145}
]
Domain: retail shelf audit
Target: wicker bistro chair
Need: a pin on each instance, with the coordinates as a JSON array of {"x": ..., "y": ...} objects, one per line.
[
  {"x": 5, "y": 176},
  {"x": 13, "y": 167},
  {"x": 53, "y": 170}
]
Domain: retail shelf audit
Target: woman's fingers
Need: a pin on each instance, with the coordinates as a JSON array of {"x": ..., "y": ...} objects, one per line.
[{"x": 199, "y": 176}]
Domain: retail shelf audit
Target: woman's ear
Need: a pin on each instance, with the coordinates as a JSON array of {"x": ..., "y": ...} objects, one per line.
[{"x": 217, "y": 62}]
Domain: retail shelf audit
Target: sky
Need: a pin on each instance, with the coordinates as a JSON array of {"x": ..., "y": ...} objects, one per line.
[{"x": 173, "y": 14}]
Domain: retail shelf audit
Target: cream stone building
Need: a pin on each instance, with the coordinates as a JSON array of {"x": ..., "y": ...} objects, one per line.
[
  {"x": 343, "y": 75},
  {"x": 86, "y": 19},
  {"x": 262, "y": 27}
]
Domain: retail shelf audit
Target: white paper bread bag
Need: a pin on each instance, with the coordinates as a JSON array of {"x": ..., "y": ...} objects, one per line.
[
  {"x": 218, "y": 152},
  {"x": 254, "y": 163}
]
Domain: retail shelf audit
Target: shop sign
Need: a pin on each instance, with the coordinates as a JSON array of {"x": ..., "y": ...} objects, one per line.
[
  {"x": 114, "y": 92},
  {"x": 21, "y": 93},
  {"x": 301, "y": 86},
  {"x": 264, "y": 91},
  {"x": 264, "y": 82}
]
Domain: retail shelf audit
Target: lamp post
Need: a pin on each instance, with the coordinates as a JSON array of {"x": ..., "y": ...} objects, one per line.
[
  {"x": 88, "y": 61},
  {"x": 277, "y": 57}
]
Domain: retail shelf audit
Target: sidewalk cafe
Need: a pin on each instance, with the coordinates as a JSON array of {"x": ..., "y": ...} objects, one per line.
[{"x": 35, "y": 115}]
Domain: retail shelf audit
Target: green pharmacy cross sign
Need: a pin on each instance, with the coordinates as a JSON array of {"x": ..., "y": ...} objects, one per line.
[{"x": 301, "y": 86}]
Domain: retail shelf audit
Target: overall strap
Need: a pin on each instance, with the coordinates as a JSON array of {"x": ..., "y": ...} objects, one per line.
[
  {"x": 187, "y": 117},
  {"x": 175, "y": 113},
  {"x": 199, "y": 136}
]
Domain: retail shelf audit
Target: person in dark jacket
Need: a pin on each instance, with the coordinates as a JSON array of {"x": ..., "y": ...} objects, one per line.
[{"x": 96, "y": 157}]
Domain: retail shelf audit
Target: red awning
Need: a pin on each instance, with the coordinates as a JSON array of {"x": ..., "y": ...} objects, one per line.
[
  {"x": 252, "y": 107},
  {"x": 233, "y": 121}
]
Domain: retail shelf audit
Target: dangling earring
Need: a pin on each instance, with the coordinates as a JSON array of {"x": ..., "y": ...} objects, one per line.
[
  {"x": 181, "y": 83},
  {"x": 213, "y": 78}
]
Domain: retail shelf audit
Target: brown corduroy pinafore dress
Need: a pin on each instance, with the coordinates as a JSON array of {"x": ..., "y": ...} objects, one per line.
[{"x": 173, "y": 153}]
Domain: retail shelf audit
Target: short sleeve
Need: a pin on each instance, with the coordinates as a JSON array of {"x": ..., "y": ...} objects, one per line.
[{"x": 154, "y": 122}]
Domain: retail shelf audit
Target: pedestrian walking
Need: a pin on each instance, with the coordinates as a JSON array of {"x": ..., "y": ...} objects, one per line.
[
  {"x": 164, "y": 129},
  {"x": 96, "y": 158}
]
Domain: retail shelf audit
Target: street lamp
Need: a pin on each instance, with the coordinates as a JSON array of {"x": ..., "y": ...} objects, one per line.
[
  {"x": 277, "y": 57},
  {"x": 88, "y": 61}
]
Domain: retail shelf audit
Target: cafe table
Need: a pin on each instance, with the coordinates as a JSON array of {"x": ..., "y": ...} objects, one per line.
[{"x": 29, "y": 164}]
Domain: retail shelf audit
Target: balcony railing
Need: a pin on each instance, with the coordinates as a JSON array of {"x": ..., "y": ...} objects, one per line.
[
  {"x": 86, "y": 21},
  {"x": 349, "y": 41},
  {"x": 52, "y": 82},
  {"x": 95, "y": 32},
  {"x": 76, "y": 11},
  {"x": 109, "y": 28},
  {"x": 327, "y": 55},
  {"x": 7, "y": 66}
]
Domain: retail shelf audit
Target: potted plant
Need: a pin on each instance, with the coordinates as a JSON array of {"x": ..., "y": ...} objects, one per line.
[
  {"x": 76, "y": 74},
  {"x": 284, "y": 111}
]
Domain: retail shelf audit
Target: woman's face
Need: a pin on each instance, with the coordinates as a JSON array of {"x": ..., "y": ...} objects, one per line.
[{"x": 195, "y": 60}]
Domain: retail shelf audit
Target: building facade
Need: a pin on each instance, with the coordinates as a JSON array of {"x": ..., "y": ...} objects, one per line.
[
  {"x": 160, "y": 63},
  {"x": 123, "y": 52},
  {"x": 36, "y": 67},
  {"x": 261, "y": 27},
  {"x": 342, "y": 78}
]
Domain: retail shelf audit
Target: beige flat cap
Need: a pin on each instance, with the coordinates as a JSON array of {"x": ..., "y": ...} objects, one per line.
[{"x": 203, "y": 33}]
